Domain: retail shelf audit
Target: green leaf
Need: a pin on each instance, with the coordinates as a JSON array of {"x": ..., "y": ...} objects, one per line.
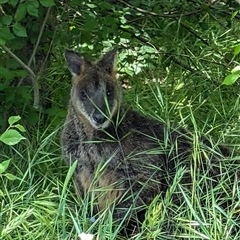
[
  {"x": 2, "y": 41},
  {"x": 13, "y": 2},
  {"x": 7, "y": 20},
  {"x": 235, "y": 13},
  {"x": 230, "y": 79},
  {"x": 18, "y": 43},
  {"x": 237, "y": 50},
  {"x": 90, "y": 5},
  {"x": 10, "y": 176},
  {"x": 32, "y": 9},
  {"x": 47, "y": 3},
  {"x": 13, "y": 119},
  {"x": 20, "y": 73},
  {"x": 11, "y": 137},
  {"x": 148, "y": 49},
  {"x": 20, "y": 127},
  {"x": 3, "y": 1},
  {"x": 6, "y": 33},
  {"x": 4, "y": 72},
  {"x": 21, "y": 12},
  {"x": 4, "y": 165},
  {"x": 19, "y": 30},
  {"x": 129, "y": 72},
  {"x": 35, "y": 3},
  {"x": 236, "y": 70}
]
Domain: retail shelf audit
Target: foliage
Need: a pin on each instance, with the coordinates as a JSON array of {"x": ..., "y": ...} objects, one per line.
[
  {"x": 178, "y": 62},
  {"x": 20, "y": 55},
  {"x": 45, "y": 200},
  {"x": 11, "y": 137}
]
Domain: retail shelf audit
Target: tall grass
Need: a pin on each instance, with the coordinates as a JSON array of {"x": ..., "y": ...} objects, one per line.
[{"x": 43, "y": 204}]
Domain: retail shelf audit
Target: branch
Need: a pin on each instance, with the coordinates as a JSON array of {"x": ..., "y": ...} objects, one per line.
[
  {"x": 39, "y": 36},
  {"x": 31, "y": 73},
  {"x": 37, "y": 43}
]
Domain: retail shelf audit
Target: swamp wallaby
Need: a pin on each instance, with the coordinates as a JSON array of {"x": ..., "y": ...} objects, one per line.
[{"x": 122, "y": 156}]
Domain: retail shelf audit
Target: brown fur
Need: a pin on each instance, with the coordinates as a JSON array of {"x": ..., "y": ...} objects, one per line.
[{"x": 122, "y": 155}]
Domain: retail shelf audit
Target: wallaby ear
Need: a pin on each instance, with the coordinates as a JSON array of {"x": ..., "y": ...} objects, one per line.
[
  {"x": 109, "y": 62},
  {"x": 76, "y": 63}
]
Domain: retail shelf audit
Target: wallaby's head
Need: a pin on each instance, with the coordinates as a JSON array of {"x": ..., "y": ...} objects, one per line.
[{"x": 95, "y": 93}]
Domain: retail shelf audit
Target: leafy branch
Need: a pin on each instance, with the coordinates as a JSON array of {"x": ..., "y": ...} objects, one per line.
[
  {"x": 11, "y": 137},
  {"x": 37, "y": 44},
  {"x": 31, "y": 74}
]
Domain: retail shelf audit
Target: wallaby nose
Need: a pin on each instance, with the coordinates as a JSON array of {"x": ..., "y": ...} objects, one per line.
[{"x": 99, "y": 118}]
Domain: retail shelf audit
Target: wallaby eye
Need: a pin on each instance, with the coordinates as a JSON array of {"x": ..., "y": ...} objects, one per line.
[
  {"x": 83, "y": 95},
  {"x": 108, "y": 93}
]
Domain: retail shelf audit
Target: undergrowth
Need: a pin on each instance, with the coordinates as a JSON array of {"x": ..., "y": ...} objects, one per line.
[{"x": 42, "y": 203}]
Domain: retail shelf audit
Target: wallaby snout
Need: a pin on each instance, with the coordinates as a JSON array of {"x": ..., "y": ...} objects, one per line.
[{"x": 99, "y": 118}]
